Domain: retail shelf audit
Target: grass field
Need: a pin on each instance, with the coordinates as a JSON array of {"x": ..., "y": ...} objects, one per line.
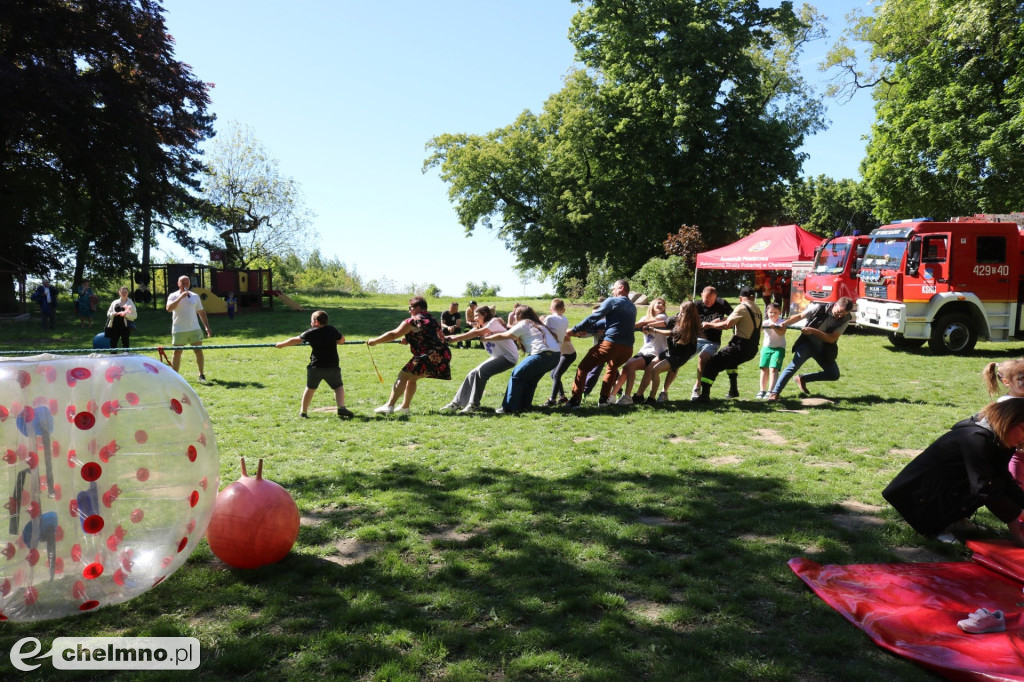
[{"x": 618, "y": 544}]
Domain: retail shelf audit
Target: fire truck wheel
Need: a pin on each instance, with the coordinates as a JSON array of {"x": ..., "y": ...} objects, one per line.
[
  {"x": 953, "y": 333},
  {"x": 903, "y": 343}
]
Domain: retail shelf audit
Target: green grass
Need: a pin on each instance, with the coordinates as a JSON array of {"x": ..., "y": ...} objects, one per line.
[{"x": 640, "y": 543}]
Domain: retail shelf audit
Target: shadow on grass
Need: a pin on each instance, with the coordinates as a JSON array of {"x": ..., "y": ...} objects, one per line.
[{"x": 500, "y": 574}]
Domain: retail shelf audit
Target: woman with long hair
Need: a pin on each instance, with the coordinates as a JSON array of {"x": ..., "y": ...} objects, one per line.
[
  {"x": 963, "y": 470},
  {"x": 431, "y": 357},
  {"x": 542, "y": 352},
  {"x": 503, "y": 355},
  {"x": 681, "y": 335}
]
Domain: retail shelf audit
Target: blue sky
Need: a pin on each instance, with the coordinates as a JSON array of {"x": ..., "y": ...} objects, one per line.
[{"x": 346, "y": 94}]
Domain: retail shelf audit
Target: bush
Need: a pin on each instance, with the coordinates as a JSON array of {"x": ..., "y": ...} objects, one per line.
[
  {"x": 432, "y": 291},
  {"x": 665, "y": 277},
  {"x": 481, "y": 290}
]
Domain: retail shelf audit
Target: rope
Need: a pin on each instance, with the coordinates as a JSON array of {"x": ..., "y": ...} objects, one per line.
[{"x": 160, "y": 349}]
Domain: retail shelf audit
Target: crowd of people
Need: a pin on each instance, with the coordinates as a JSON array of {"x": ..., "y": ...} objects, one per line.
[{"x": 667, "y": 343}]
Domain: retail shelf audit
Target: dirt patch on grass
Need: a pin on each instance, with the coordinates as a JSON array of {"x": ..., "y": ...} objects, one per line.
[
  {"x": 905, "y": 452},
  {"x": 324, "y": 409},
  {"x": 659, "y": 521},
  {"x": 726, "y": 461},
  {"x": 583, "y": 439},
  {"x": 770, "y": 436},
  {"x": 918, "y": 555},
  {"x": 857, "y": 507},
  {"x": 676, "y": 440},
  {"x": 645, "y": 608},
  {"x": 856, "y": 522},
  {"x": 816, "y": 402},
  {"x": 351, "y": 551},
  {"x": 450, "y": 535}
]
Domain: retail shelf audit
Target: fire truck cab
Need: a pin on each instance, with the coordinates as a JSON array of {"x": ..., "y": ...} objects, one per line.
[
  {"x": 834, "y": 272},
  {"x": 944, "y": 283}
]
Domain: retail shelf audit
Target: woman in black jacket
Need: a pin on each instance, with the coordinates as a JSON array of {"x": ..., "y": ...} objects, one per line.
[{"x": 964, "y": 470}]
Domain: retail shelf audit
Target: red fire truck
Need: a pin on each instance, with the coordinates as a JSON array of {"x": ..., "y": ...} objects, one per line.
[
  {"x": 834, "y": 272},
  {"x": 947, "y": 283}
]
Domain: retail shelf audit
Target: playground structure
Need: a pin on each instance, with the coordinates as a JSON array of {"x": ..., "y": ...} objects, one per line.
[{"x": 212, "y": 285}]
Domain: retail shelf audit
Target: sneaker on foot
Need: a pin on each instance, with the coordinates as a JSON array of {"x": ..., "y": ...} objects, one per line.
[
  {"x": 695, "y": 394},
  {"x": 663, "y": 397},
  {"x": 772, "y": 397},
  {"x": 624, "y": 400},
  {"x": 651, "y": 401},
  {"x": 761, "y": 394},
  {"x": 303, "y": 415},
  {"x": 345, "y": 413},
  {"x": 603, "y": 402},
  {"x": 732, "y": 394},
  {"x": 982, "y": 621},
  {"x": 401, "y": 411},
  {"x": 202, "y": 379},
  {"x": 563, "y": 400},
  {"x": 799, "y": 381},
  {"x": 469, "y": 409},
  {"x": 451, "y": 407},
  {"x": 550, "y": 402},
  {"x": 385, "y": 409}
]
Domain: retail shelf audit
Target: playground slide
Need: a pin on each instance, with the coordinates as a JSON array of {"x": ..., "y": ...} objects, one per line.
[
  {"x": 212, "y": 303},
  {"x": 287, "y": 301}
]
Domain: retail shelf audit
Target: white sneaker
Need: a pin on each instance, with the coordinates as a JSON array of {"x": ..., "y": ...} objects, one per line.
[
  {"x": 385, "y": 409},
  {"x": 469, "y": 409},
  {"x": 401, "y": 411},
  {"x": 663, "y": 397},
  {"x": 982, "y": 621},
  {"x": 451, "y": 407},
  {"x": 695, "y": 394},
  {"x": 625, "y": 400},
  {"x": 761, "y": 395}
]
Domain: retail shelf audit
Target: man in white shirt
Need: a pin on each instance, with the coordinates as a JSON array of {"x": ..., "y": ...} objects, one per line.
[{"x": 186, "y": 311}]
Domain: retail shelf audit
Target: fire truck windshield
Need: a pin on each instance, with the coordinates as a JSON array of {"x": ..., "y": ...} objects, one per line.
[
  {"x": 831, "y": 260},
  {"x": 885, "y": 253}
]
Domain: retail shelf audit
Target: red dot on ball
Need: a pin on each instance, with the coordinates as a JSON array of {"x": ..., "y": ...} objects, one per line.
[
  {"x": 142, "y": 474},
  {"x": 89, "y": 605},
  {"x": 193, "y": 499},
  {"x": 192, "y": 453},
  {"x": 137, "y": 515},
  {"x": 182, "y": 544},
  {"x": 175, "y": 406},
  {"x": 141, "y": 436},
  {"x": 85, "y": 420},
  {"x": 92, "y": 571},
  {"x": 93, "y": 524},
  {"x": 92, "y": 471}
]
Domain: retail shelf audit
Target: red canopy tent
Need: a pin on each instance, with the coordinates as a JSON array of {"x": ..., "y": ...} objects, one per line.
[{"x": 769, "y": 248}]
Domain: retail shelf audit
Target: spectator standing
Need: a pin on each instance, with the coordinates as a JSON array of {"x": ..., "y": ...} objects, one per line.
[
  {"x": 186, "y": 309},
  {"x": 121, "y": 316},
  {"x": 46, "y": 296}
]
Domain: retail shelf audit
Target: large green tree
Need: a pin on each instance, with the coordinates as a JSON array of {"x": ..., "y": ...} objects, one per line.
[
  {"x": 683, "y": 112},
  {"x": 826, "y": 206},
  {"x": 948, "y": 81},
  {"x": 98, "y": 131}
]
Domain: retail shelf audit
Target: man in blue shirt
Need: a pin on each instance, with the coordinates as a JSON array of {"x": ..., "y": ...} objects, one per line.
[{"x": 616, "y": 317}]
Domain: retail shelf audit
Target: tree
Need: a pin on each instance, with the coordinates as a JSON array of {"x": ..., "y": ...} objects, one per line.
[
  {"x": 98, "y": 132},
  {"x": 948, "y": 82},
  {"x": 474, "y": 290},
  {"x": 683, "y": 112},
  {"x": 826, "y": 206},
  {"x": 253, "y": 208}
]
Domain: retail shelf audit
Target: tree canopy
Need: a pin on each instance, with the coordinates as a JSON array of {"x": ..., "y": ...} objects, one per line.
[
  {"x": 254, "y": 209},
  {"x": 98, "y": 130},
  {"x": 947, "y": 77},
  {"x": 682, "y": 112}
]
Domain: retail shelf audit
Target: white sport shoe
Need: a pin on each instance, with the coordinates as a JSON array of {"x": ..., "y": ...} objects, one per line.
[
  {"x": 401, "y": 411},
  {"x": 451, "y": 407},
  {"x": 385, "y": 409},
  {"x": 982, "y": 621},
  {"x": 663, "y": 397},
  {"x": 469, "y": 409},
  {"x": 624, "y": 400}
]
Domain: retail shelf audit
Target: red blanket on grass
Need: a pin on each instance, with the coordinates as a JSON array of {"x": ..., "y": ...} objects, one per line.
[{"x": 912, "y": 609}]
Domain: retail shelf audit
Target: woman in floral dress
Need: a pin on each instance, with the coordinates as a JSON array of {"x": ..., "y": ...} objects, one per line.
[{"x": 431, "y": 357}]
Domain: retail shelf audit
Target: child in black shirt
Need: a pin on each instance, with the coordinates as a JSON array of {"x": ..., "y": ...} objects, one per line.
[{"x": 324, "y": 340}]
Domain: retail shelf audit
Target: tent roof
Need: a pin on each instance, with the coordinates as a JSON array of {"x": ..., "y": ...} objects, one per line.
[{"x": 769, "y": 248}]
